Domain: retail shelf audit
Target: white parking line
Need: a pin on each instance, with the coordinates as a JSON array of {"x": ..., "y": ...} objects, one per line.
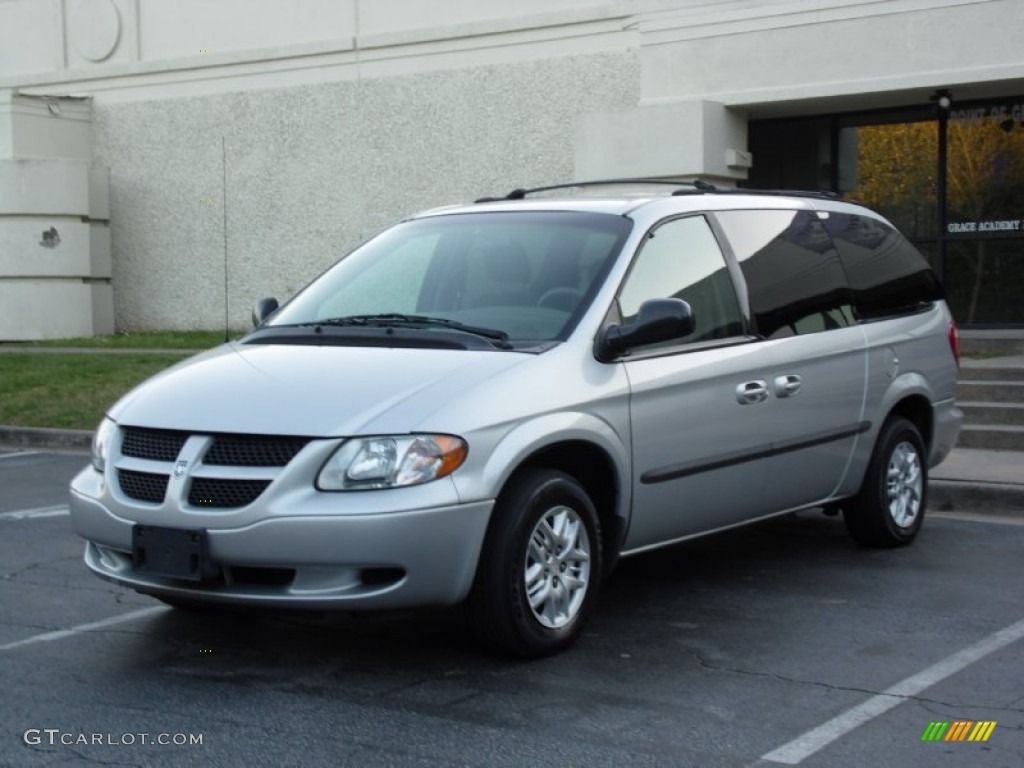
[
  {"x": 82, "y": 628},
  {"x": 28, "y": 514},
  {"x": 807, "y": 744},
  {"x": 19, "y": 453}
]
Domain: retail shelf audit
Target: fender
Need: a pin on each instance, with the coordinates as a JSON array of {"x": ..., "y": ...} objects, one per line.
[
  {"x": 904, "y": 385},
  {"x": 545, "y": 431}
]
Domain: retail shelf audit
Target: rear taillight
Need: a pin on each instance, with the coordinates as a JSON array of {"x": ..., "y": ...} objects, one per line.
[{"x": 954, "y": 341}]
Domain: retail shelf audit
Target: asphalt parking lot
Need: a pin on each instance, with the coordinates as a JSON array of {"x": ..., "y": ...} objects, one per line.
[{"x": 780, "y": 644}]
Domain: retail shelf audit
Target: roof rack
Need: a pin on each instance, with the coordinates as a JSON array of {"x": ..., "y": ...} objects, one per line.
[
  {"x": 697, "y": 186},
  {"x": 822, "y": 194}
]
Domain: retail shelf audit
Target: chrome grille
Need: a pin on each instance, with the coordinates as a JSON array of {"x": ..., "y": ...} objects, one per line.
[
  {"x": 153, "y": 444},
  {"x": 224, "y": 493},
  {"x": 143, "y": 486},
  {"x": 253, "y": 450}
]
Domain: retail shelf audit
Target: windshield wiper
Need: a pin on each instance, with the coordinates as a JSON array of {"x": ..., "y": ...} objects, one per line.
[{"x": 398, "y": 320}]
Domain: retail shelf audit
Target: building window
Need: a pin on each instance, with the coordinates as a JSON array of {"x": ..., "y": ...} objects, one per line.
[
  {"x": 984, "y": 280},
  {"x": 891, "y": 167},
  {"x": 791, "y": 154},
  {"x": 985, "y": 169},
  {"x": 984, "y": 239},
  {"x": 889, "y": 161}
]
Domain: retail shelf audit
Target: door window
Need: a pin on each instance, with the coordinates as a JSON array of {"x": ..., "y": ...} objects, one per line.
[
  {"x": 887, "y": 274},
  {"x": 681, "y": 259}
]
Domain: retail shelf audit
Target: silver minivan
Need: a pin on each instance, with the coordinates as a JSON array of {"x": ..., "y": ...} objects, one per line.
[{"x": 492, "y": 403}]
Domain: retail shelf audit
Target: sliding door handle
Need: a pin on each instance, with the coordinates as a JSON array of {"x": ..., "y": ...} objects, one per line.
[
  {"x": 751, "y": 392},
  {"x": 787, "y": 386}
]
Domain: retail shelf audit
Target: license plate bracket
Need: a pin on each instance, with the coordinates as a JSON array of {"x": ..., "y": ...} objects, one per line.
[{"x": 173, "y": 553}]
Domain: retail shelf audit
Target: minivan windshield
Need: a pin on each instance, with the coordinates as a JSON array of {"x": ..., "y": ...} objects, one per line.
[{"x": 519, "y": 275}]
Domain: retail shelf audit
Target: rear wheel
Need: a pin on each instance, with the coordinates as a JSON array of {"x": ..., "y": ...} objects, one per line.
[
  {"x": 540, "y": 567},
  {"x": 889, "y": 509}
]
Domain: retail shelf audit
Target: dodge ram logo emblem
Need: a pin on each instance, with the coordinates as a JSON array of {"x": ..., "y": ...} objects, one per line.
[{"x": 179, "y": 469}]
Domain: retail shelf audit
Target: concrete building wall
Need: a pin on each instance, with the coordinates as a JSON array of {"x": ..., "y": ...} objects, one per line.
[
  {"x": 340, "y": 116},
  {"x": 313, "y": 170},
  {"x": 788, "y": 57},
  {"x": 55, "y": 264}
]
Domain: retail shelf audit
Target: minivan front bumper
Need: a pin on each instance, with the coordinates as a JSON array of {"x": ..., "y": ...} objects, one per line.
[{"x": 311, "y": 559}]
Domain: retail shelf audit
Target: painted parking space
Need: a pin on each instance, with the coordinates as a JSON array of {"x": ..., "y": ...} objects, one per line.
[
  {"x": 806, "y": 745},
  {"x": 714, "y": 653},
  {"x": 36, "y": 479},
  {"x": 56, "y": 510}
]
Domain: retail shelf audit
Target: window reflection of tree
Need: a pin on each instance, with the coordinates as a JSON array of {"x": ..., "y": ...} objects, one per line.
[
  {"x": 986, "y": 182},
  {"x": 896, "y": 176}
]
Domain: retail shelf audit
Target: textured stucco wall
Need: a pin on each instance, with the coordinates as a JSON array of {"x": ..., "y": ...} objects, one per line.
[{"x": 313, "y": 170}]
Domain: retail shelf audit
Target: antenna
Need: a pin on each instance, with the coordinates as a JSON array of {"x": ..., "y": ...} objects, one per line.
[{"x": 224, "y": 208}]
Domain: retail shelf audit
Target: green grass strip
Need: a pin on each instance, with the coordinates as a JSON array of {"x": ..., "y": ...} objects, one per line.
[
  {"x": 68, "y": 390},
  {"x": 197, "y": 340}
]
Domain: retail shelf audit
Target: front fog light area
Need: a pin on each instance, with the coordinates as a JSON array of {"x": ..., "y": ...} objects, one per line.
[{"x": 391, "y": 461}]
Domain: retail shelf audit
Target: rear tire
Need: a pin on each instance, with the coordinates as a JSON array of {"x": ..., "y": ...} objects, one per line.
[
  {"x": 540, "y": 566},
  {"x": 889, "y": 509}
]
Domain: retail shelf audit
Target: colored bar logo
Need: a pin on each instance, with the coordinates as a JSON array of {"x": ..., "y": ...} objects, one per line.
[{"x": 958, "y": 730}]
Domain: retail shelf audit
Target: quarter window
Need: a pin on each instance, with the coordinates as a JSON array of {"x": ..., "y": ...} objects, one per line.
[
  {"x": 794, "y": 279},
  {"x": 887, "y": 274},
  {"x": 681, "y": 259}
]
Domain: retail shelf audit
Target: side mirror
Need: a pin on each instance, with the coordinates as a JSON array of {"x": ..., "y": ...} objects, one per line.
[
  {"x": 263, "y": 309},
  {"x": 657, "y": 320}
]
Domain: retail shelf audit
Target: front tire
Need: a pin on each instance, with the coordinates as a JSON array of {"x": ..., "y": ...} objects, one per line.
[
  {"x": 540, "y": 566},
  {"x": 889, "y": 509}
]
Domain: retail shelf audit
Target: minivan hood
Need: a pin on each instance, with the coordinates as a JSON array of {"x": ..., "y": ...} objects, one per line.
[{"x": 315, "y": 391}]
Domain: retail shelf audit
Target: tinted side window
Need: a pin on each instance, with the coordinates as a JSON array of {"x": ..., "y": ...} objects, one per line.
[
  {"x": 794, "y": 279},
  {"x": 887, "y": 274},
  {"x": 681, "y": 259}
]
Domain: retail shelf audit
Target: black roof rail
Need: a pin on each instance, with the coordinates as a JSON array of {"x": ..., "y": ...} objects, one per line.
[
  {"x": 695, "y": 187},
  {"x": 824, "y": 194},
  {"x": 519, "y": 194},
  {"x": 821, "y": 194}
]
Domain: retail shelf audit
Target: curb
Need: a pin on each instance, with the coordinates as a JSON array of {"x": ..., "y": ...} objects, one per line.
[
  {"x": 45, "y": 437},
  {"x": 1003, "y": 499}
]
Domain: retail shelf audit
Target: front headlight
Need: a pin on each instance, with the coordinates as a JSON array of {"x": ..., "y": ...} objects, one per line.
[
  {"x": 391, "y": 461},
  {"x": 101, "y": 443}
]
